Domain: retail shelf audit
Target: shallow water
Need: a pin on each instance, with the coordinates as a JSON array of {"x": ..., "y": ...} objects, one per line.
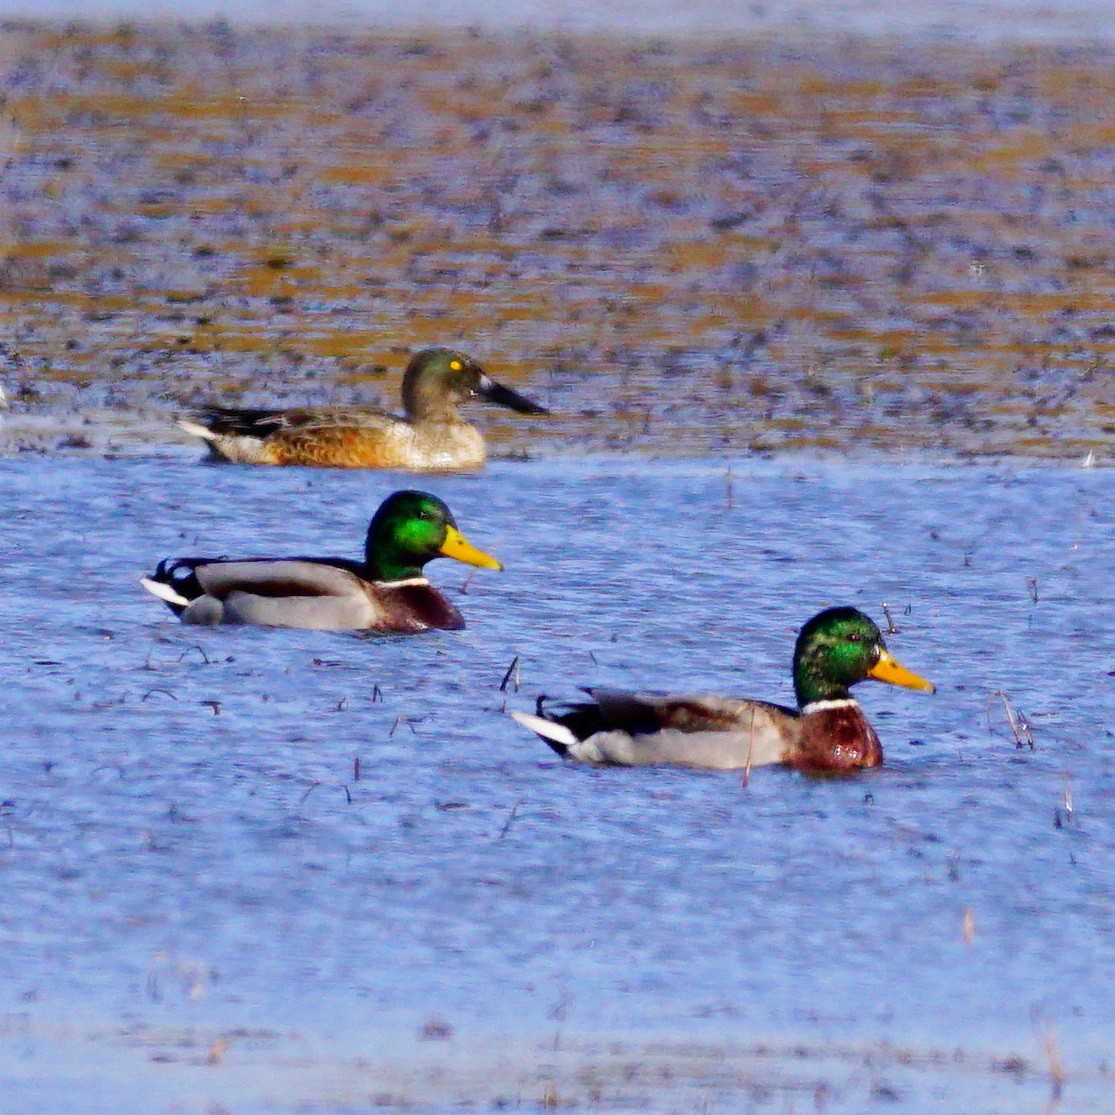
[
  {"x": 982, "y": 19},
  {"x": 188, "y": 860}
]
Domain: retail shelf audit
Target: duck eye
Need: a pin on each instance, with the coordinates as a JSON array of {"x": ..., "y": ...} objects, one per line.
[
  {"x": 455, "y": 365},
  {"x": 855, "y": 637}
]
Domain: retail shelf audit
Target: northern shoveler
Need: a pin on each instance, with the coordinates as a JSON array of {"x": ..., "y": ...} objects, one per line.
[{"x": 431, "y": 436}]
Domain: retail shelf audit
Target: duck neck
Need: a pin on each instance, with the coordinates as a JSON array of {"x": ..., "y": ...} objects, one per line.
[
  {"x": 811, "y": 686},
  {"x": 386, "y": 561},
  {"x": 424, "y": 401}
]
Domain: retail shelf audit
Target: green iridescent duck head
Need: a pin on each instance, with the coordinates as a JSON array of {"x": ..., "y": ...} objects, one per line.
[
  {"x": 838, "y": 648},
  {"x": 412, "y": 528},
  {"x": 437, "y": 379}
]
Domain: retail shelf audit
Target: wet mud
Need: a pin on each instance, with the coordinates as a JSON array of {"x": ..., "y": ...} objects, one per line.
[{"x": 686, "y": 248}]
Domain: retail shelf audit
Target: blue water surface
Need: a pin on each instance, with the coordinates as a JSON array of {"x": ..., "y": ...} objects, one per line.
[{"x": 186, "y": 848}]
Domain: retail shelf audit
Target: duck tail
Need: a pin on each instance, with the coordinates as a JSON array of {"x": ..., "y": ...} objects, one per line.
[
  {"x": 557, "y": 736},
  {"x": 196, "y": 429},
  {"x": 165, "y": 592}
]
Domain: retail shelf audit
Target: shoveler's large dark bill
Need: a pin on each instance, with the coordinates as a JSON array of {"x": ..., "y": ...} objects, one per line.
[
  {"x": 456, "y": 545},
  {"x": 890, "y": 670},
  {"x": 505, "y": 397}
]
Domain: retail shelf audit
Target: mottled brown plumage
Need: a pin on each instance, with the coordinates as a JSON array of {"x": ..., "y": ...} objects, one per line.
[{"x": 430, "y": 436}]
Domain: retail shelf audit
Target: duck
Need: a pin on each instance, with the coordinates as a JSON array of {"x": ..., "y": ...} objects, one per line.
[
  {"x": 387, "y": 591},
  {"x": 827, "y": 733},
  {"x": 430, "y": 437}
]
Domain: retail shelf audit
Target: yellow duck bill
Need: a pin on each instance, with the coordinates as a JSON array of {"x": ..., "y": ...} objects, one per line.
[
  {"x": 890, "y": 670},
  {"x": 457, "y": 546}
]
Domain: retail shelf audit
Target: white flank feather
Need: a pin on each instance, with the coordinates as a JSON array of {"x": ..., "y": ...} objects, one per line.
[
  {"x": 547, "y": 729},
  {"x": 164, "y": 592}
]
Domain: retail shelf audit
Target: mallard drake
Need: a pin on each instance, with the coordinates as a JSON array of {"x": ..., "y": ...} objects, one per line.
[
  {"x": 387, "y": 591},
  {"x": 431, "y": 436},
  {"x": 827, "y": 733}
]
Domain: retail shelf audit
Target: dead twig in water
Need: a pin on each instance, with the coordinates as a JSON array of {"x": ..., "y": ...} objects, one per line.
[
  {"x": 510, "y": 820},
  {"x": 1032, "y": 585},
  {"x": 216, "y": 1051},
  {"x": 728, "y": 478},
  {"x": 401, "y": 720},
  {"x": 750, "y": 752},
  {"x": 1063, "y": 819},
  {"x": 1019, "y": 725},
  {"x": 1056, "y": 1069},
  {"x": 892, "y": 629},
  {"x": 512, "y": 672},
  {"x": 463, "y": 590}
]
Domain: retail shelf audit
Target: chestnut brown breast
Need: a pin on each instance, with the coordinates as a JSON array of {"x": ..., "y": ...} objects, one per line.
[
  {"x": 416, "y": 608},
  {"x": 837, "y": 740}
]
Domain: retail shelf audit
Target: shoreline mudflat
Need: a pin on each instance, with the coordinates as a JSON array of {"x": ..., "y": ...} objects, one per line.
[
  {"x": 262, "y": 1069},
  {"x": 711, "y": 248}
]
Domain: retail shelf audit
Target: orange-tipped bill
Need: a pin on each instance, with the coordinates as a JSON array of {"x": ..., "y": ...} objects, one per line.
[
  {"x": 890, "y": 670},
  {"x": 456, "y": 545}
]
